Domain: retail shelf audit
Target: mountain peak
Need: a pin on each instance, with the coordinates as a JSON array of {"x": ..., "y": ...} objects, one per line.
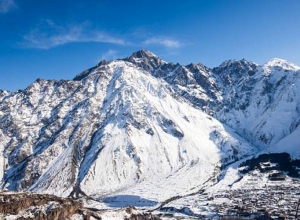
[
  {"x": 233, "y": 62},
  {"x": 142, "y": 58},
  {"x": 143, "y": 54},
  {"x": 146, "y": 60},
  {"x": 122, "y": 129},
  {"x": 277, "y": 62},
  {"x": 234, "y": 70}
]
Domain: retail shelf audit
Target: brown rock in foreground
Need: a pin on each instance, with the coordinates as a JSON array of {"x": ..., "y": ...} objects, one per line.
[
  {"x": 38, "y": 206},
  {"x": 30, "y": 206},
  {"x": 143, "y": 216}
]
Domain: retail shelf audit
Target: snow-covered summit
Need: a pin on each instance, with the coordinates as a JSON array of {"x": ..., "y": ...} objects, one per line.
[{"x": 277, "y": 62}]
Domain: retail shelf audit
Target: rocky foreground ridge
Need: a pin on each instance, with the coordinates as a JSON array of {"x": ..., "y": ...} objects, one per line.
[
  {"x": 29, "y": 206},
  {"x": 38, "y": 206}
]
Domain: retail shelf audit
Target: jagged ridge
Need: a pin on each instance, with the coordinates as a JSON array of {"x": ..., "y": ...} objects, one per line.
[{"x": 139, "y": 120}]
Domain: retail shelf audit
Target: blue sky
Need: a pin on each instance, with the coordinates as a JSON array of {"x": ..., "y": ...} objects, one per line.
[{"x": 57, "y": 39}]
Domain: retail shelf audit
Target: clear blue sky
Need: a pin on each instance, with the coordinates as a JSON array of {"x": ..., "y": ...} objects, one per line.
[{"x": 57, "y": 39}]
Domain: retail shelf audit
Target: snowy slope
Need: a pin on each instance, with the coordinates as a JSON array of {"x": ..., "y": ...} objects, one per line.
[
  {"x": 141, "y": 130},
  {"x": 262, "y": 102},
  {"x": 289, "y": 144},
  {"x": 113, "y": 127}
]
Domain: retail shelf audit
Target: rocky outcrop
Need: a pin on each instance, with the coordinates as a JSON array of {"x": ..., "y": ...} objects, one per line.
[
  {"x": 134, "y": 215},
  {"x": 29, "y": 206},
  {"x": 39, "y": 207},
  {"x": 142, "y": 217}
]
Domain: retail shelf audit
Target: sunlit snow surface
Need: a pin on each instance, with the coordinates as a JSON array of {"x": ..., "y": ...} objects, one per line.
[
  {"x": 184, "y": 149},
  {"x": 120, "y": 132},
  {"x": 264, "y": 106},
  {"x": 127, "y": 137}
]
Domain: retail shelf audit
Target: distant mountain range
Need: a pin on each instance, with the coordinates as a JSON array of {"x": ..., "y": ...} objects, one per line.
[{"x": 147, "y": 128}]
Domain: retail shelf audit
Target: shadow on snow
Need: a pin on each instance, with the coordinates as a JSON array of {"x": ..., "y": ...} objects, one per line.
[{"x": 128, "y": 200}]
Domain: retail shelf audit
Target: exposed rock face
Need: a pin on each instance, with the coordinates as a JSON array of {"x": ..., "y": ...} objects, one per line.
[
  {"x": 27, "y": 206},
  {"x": 193, "y": 83},
  {"x": 142, "y": 217},
  {"x": 133, "y": 215},
  {"x": 38, "y": 206}
]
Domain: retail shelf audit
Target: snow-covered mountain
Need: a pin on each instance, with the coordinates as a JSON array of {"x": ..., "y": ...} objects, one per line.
[
  {"x": 260, "y": 102},
  {"x": 145, "y": 127}
]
